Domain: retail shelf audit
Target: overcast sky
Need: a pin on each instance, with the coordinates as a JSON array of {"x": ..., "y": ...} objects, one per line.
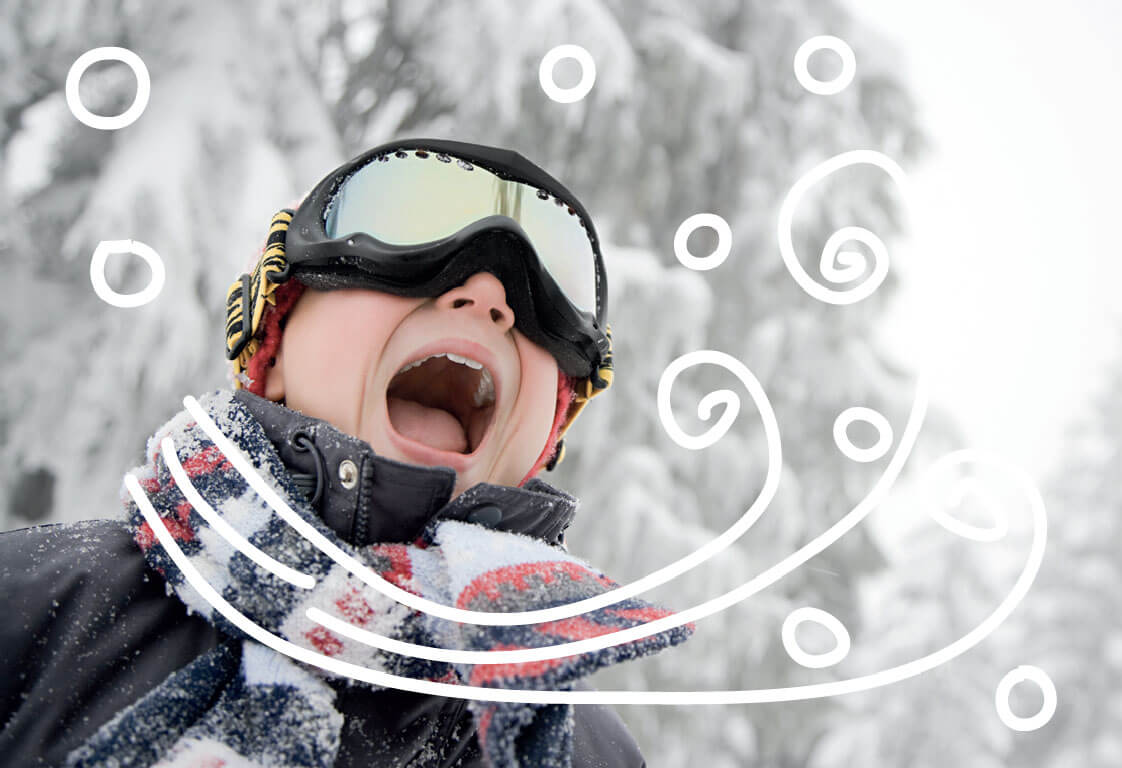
[{"x": 1016, "y": 209}]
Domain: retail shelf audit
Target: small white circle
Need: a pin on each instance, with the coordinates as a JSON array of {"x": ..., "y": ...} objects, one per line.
[
  {"x": 1025, "y": 673},
  {"x": 587, "y": 78},
  {"x": 823, "y": 619},
  {"x": 126, "y": 300},
  {"x": 868, "y": 415},
  {"x": 348, "y": 474},
  {"x": 108, "y": 122},
  {"x": 825, "y": 87},
  {"x": 719, "y": 254}
]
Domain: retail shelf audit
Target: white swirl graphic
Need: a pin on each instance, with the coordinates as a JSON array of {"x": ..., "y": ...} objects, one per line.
[
  {"x": 725, "y": 397},
  {"x": 852, "y": 263},
  {"x": 958, "y": 492}
]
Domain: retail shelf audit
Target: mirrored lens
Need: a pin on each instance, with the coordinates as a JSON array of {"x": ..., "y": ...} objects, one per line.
[{"x": 412, "y": 200}]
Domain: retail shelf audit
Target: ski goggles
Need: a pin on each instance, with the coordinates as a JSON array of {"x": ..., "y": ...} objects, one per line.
[{"x": 419, "y": 217}]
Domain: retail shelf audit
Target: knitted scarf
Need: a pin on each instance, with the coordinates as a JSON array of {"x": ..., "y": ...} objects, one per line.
[{"x": 244, "y": 704}]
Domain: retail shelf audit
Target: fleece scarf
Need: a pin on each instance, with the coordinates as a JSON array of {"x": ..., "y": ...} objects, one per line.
[{"x": 243, "y": 704}]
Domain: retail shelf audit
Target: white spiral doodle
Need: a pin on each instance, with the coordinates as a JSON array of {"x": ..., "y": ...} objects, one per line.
[
  {"x": 958, "y": 492},
  {"x": 725, "y": 397},
  {"x": 827, "y": 621},
  {"x": 852, "y": 263}
]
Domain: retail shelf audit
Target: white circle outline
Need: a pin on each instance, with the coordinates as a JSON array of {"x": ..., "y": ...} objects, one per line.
[
  {"x": 871, "y": 417},
  {"x": 825, "y": 620},
  {"x": 834, "y": 85},
  {"x": 108, "y": 122},
  {"x": 126, "y": 300},
  {"x": 587, "y": 77},
  {"x": 1025, "y": 673},
  {"x": 719, "y": 254}
]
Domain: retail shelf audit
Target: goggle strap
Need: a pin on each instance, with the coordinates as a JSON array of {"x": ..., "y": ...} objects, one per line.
[
  {"x": 587, "y": 389},
  {"x": 256, "y": 291}
]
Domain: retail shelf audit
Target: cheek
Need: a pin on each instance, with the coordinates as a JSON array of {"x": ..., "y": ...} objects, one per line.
[
  {"x": 330, "y": 348},
  {"x": 532, "y": 419}
]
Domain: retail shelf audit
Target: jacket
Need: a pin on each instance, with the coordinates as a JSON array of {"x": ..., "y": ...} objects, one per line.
[{"x": 87, "y": 628}]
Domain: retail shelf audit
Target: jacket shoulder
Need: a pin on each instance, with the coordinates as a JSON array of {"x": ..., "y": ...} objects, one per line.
[
  {"x": 600, "y": 737},
  {"x": 87, "y": 630}
]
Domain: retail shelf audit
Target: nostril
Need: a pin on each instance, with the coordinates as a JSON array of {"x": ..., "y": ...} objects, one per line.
[
  {"x": 460, "y": 303},
  {"x": 496, "y": 315}
]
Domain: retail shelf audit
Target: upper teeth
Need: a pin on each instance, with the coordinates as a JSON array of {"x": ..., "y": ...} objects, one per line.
[{"x": 484, "y": 394}]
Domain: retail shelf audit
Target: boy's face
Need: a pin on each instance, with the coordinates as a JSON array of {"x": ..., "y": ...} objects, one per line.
[{"x": 342, "y": 351}]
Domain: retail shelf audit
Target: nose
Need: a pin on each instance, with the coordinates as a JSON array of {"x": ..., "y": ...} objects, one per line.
[{"x": 483, "y": 294}]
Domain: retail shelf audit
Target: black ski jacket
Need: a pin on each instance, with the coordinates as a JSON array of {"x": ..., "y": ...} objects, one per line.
[{"x": 86, "y": 628}]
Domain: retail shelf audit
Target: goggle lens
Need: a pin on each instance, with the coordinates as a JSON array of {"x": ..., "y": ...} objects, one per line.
[{"x": 406, "y": 198}]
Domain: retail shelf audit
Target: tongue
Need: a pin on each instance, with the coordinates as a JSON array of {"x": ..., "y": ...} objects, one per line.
[{"x": 434, "y": 427}]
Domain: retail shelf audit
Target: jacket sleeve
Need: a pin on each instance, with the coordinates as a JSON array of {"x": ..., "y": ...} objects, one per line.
[
  {"x": 600, "y": 738},
  {"x": 85, "y": 630}
]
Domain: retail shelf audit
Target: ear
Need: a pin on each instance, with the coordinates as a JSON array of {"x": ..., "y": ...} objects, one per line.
[{"x": 274, "y": 376}]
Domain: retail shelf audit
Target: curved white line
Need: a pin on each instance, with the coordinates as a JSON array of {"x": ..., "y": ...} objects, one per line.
[
  {"x": 749, "y": 696},
  {"x": 224, "y": 529},
  {"x": 281, "y": 507},
  {"x": 714, "y": 605}
]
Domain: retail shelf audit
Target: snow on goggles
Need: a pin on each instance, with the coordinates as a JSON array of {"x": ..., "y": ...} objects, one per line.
[{"x": 419, "y": 217}]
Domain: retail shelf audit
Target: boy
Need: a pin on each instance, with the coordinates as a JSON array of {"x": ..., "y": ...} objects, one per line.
[{"x": 409, "y": 351}]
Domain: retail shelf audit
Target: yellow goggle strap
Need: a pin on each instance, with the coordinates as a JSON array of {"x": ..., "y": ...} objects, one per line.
[
  {"x": 586, "y": 390},
  {"x": 249, "y": 294}
]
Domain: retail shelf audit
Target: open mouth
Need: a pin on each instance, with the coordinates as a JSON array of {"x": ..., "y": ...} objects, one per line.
[{"x": 445, "y": 401}]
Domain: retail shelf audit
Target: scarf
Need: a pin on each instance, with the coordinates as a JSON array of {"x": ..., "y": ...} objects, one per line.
[{"x": 245, "y": 705}]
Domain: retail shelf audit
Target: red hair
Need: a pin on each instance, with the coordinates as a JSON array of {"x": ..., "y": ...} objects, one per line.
[{"x": 286, "y": 296}]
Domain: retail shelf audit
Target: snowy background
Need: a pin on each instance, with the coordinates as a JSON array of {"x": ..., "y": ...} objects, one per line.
[{"x": 1005, "y": 118}]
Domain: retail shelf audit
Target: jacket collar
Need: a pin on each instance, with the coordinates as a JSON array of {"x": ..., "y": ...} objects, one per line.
[{"x": 367, "y": 498}]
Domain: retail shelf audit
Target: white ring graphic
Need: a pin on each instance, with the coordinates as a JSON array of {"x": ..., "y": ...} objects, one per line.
[
  {"x": 587, "y": 77},
  {"x": 823, "y": 619},
  {"x": 869, "y": 416},
  {"x": 126, "y": 300},
  {"x": 719, "y": 254},
  {"x": 1025, "y": 673},
  {"x": 108, "y": 122},
  {"x": 825, "y": 87},
  {"x": 853, "y": 262}
]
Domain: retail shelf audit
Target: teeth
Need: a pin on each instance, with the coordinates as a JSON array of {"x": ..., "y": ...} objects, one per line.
[
  {"x": 484, "y": 393},
  {"x": 451, "y": 356},
  {"x": 464, "y": 361}
]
